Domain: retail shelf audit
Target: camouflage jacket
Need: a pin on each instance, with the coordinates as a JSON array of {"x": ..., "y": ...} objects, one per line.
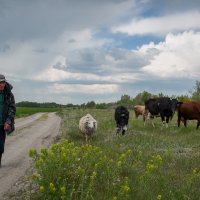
[{"x": 9, "y": 107}]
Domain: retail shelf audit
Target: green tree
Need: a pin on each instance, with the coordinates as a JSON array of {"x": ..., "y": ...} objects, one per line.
[
  {"x": 141, "y": 97},
  {"x": 91, "y": 104},
  {"x": 125, "y": 101},
  {"x": 101, "y": 106},
  {"x": 196, "y": 92},
  {"x": 183, "y": 98}
]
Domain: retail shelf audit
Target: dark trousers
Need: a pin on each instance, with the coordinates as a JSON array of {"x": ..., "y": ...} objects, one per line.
[{"x": 2, "y": 139}]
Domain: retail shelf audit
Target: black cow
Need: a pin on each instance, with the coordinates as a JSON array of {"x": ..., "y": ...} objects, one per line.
[
  {"x": 121, "y": 118},
  {"x": 163, "y": 107}
]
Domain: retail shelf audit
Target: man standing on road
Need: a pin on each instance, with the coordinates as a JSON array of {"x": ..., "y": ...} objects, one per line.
[{"x": 7, "y": 111}]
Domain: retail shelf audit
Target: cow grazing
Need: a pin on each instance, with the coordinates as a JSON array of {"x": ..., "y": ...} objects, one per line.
[
  {"x": 163, "y": 106},
  {"x": 140, "y": 111},
  {"x": 189, "y": 111},
  {"x": 121, "y": 118}
]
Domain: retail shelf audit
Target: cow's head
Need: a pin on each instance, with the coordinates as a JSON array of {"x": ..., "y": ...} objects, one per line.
[{"x": 175, "y": 104}]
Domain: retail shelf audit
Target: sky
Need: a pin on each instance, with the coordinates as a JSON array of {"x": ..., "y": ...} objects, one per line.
[{"x": 76, "y": 51}]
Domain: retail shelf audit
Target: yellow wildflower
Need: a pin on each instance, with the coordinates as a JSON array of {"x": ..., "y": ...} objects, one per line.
[
  {"x": 122, "y": 156},
  {"x": 94, "y": 174},
  {"x": 159, "y": 197},
  {"x": 63, "y": 190},
  {"x": 126, "y": 188},
  {"x": 26, "y": 178},
  {"x": 44, "y": 150},
  {"x": 41, "y": 188},
  {"x": 119, "y": 163},
  {"x": 52, "y": 187},
  {"x": 32, "y": 152},
  {"x": 129, "y": 152},
  {"x": 51, "y": 153},
  {"x": 194, "y": 171}
]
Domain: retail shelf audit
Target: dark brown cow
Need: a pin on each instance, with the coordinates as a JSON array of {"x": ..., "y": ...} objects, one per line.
[{"x": 189, "y": 111}]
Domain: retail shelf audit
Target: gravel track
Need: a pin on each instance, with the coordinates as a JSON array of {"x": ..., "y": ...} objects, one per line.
[{"x": 33, "y": 132}]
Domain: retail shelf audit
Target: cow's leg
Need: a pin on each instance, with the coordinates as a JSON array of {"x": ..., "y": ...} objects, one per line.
[
  {"x": 167, "y": 121},
  {"x": 163, "y": 120},
  {"x": 179, "y": 120},
  {"x": 152, "y": 122},
  {"x": 198, "y": 123},
  {"x": 145, "y": 116},
  {"x": 185, "y": 122},
  {"x": 124, "y": 129},
  {"x": 117, "y": 129}
]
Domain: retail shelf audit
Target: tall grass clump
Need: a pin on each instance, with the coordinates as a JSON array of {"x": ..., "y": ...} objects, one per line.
[{"x": 67, "y": 171}]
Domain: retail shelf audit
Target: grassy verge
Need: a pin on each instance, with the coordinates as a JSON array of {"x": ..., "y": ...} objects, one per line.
[
  {"x": 145, "y": 163},
  {"x": 23, "y": 111}
]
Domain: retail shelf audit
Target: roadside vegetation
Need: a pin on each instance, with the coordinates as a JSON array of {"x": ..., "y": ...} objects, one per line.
[
  {"x": 146, "y": 163},
  {"x": 26, "y": 111}
]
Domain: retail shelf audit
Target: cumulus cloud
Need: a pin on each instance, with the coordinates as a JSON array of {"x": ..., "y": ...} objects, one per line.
[
  {"x": 178, "y": 57},
  {"x": 57, "y": 75},
  {"x": 161, "y": 25}
]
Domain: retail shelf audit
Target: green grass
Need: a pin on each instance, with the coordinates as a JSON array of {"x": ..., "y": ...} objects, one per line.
[
  {"x": 23, "y": 111},
  {"x": 146, "y": 163}
]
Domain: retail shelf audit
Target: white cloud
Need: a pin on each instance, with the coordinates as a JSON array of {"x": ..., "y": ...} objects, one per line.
[
  {"x": 73, "y": 40},
  {"x": 84, "y": 89},
  {"x": 54, "y": 75},
  {"x": 161, "y": 25},
  {"x": 29, "y": 59},
  {"x": 178, "y": 57}
]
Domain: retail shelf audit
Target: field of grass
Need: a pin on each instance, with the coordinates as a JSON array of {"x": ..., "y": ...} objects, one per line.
[
  {"x": 145, "y": 164},
  {"x": 23, "y": 111}
]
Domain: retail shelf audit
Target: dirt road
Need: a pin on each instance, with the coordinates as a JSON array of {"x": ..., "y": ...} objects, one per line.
[{"x": 33, "y": 132}]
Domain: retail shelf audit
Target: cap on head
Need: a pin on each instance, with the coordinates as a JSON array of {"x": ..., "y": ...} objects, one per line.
[{"x": 2, "y": 78}]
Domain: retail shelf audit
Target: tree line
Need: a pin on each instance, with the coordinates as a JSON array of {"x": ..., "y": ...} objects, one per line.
[{"x": 125, "y": 100}]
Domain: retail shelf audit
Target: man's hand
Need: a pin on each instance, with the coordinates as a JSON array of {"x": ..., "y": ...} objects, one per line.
[{"x": 7, "y": 127}]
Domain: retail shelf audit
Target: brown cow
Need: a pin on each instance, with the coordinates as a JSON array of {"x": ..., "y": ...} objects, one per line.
[
  {"x": 140, "y": 111},
  {"x": 189, "y": 111}
]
